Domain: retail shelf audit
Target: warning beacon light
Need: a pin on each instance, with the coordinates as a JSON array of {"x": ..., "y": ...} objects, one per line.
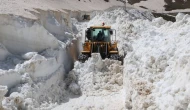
[{"x": 103, "y": 24}]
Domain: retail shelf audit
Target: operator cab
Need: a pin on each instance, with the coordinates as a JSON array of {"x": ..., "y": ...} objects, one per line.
[{"x": 99, "y": 34}]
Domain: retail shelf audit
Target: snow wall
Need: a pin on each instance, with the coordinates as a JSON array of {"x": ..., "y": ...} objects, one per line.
[
  {"x": 157, "y": 58},
  {"x": 101, "y": 81},
  {"x": 36, "y": 55},
  {"x": 156, "y": 71},
  {"x": 155, "y": 74}
]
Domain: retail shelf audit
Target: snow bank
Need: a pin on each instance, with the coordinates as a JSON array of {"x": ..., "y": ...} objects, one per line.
[
  {"x": 36, "y": 81},
  {"x": 35, "y": 70},
  {"x": 44, "y": 94},
  {"x": 20, "y": 36},
  {"x": 155, "y": 75},
  {"x": 156, "y": 65},
  {"x": 96, "y": 77},
  {"x": 98, "y": 81},
  {"x": 9, "y": 78},
  {"x": 57, "y": 23},
  {"x": 120, "y": 20},
  {"x": 38, "y": 65},
  {"x": 156, "y": 70}
]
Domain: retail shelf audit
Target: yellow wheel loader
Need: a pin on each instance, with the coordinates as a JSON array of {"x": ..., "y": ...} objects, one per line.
[{"x": 100, "y": 39}]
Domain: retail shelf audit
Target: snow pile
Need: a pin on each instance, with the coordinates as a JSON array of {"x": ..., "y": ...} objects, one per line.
[
  {"x": 38, "y": 82},
  {"x": 100, "y": 83},
  {"x": 118, "y": 16},
  {"x": 21, "y": 36},
  {"x": 35, "y": 66},
  {"x": 156, "y": 70},
  {"x": 97, "y": 76},
  {"x": 155, "y": 73},
  {"x": 156, "y": 64},
  {"x": 9, "y": 78},
  {"x": 120, "y": 20},
  {"x": 56, "y": 23},
  {"x": 34, "y": 62},
  {"x": 3, "y": 91},
  {"x": 97, "y": 79}
]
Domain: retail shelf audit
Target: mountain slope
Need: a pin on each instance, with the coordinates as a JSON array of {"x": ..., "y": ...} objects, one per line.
[{"x": 23, "y": 7}]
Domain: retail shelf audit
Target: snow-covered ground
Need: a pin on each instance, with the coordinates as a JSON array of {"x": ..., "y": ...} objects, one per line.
[
  {"x": 156, "y": 64},
  {"x": 155, "y": 72},
  {"x": 37, "y": 58},
  {"x": 99, "y": 83},
  {"x": 38, "y": 49}
]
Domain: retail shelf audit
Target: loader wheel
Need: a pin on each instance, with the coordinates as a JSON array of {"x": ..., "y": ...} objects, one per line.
[
  {"x": 83, "y": 57},
  {"x": 117, "y": 57}
]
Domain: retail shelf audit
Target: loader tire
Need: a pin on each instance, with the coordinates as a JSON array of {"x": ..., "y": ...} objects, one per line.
[
  {"x": 117, "y": 57},
  {"x": 82, "y": 58}
]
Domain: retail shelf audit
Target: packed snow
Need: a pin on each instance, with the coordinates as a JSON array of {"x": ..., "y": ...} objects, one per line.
[
  {"x": 156, "y": 64},
  {"x": 100, "y": 83},
  {"x": 38, "y": 67},
  {"x": 34, "y": 60},
  {"x": 155, "y": 71}
]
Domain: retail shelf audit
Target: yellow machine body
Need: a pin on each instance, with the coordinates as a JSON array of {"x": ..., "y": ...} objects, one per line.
[
  {"x": 112, "y": 48},
  {"x": 99, "y": 39}
]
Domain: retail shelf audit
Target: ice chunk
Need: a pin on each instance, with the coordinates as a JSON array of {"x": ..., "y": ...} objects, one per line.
[
  {"x": 28, "y": 55},
  {"x": 3, "y": 91}
]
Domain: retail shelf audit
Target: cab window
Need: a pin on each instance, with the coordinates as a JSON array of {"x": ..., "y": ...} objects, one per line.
[{"x": 104, "y": 34}]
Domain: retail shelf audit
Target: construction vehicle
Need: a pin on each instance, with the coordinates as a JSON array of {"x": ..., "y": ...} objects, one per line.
[{"x": 100, "y": 39}]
